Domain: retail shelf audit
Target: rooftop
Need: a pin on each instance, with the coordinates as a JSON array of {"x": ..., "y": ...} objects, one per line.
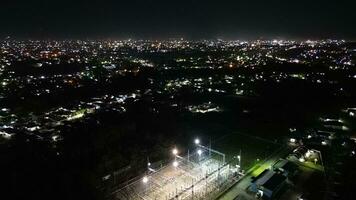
[{"x": 269, "y": 179}]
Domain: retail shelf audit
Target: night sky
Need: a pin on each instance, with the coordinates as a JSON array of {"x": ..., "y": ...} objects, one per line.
[{"x": 193, "y": 19}]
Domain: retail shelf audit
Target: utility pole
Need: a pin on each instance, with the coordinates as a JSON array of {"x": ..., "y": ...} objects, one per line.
[
  {"x": 210, "y": 148},
  {"x": 240, "y": 160},
  {"x": 188, "y": 155}
]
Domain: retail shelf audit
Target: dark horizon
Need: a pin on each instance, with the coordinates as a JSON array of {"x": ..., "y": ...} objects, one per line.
[{"x": 194, "y": 19}]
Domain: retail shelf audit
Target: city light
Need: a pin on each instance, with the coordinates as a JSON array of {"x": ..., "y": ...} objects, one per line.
[{"x": 49, "y": 107}]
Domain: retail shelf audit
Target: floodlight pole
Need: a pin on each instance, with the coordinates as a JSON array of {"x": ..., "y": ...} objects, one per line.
[
  {"x": 321, "y": 160},
  {"x": 188, "y": 155},
  {"x": 240, "y": 159},
  {"x": 209, "y": 147},
  {"x": 212, "y": 150}
]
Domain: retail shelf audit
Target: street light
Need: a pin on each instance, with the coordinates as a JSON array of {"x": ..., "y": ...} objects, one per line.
[
  {"x": 175, "y": 151},
  {"x": 145, "y": 179},
  {"x": 199, "y": 152},
  {"x": 175, "y": 164},
  {"x": 209, "y": 149}
]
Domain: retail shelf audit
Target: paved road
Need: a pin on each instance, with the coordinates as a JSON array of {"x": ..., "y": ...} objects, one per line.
[{"x": 240, "y": 188}]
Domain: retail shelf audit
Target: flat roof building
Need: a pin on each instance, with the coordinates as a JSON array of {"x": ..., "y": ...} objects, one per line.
[
  {"x": 285, "y": 167},
  {"x": 268, "y": 183}
]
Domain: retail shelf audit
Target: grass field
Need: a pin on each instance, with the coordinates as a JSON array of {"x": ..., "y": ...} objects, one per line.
[{"x": 253, "y": 149}]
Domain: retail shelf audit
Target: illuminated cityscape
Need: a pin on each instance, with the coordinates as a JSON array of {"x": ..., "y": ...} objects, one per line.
[
  {"x": 118, "y": 106},
  {"x": 178, "y": 100}
]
